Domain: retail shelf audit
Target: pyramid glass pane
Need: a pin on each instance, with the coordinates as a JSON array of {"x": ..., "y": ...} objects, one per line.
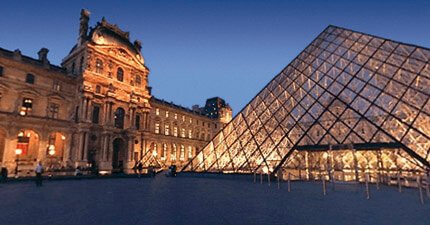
[{"x": 347, "y": 105}]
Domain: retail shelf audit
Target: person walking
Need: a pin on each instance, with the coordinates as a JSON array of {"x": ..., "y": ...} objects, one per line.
[
  {"x": 39, "y": 171},
  {"x": 139, "y": 168}
]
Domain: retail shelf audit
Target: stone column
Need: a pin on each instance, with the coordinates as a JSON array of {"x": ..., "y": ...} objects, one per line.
[
  {"x": 85, "y": 155},
  {"x": 104, "y": 116},
  {"x": 67, "y": 148},
  {"x": 144, "y": 115},
  {"x": 84, "y": 109},
  {"x": 89, "y": 111}
]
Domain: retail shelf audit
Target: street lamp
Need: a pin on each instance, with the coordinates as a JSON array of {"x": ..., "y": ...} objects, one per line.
[
  {"x": 18, "y": 152},
  {"x": 51, "y": 152}
]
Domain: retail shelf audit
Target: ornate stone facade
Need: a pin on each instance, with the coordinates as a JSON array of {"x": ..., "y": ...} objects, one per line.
[{"x": 94, "y": 109}]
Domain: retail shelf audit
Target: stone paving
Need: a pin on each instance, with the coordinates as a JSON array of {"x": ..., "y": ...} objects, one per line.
[{"x": 190, "y": 200}]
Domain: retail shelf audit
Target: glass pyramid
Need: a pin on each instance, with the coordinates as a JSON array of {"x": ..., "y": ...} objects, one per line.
[{"x": 349, "y": 104}]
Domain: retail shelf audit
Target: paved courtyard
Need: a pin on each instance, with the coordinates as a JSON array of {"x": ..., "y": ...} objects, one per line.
[{"x": 190, "y": 200}]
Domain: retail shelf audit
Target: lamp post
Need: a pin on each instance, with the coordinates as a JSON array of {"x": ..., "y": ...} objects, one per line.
[
  {"x": 51, "y": 152},
  {"x": 18, "y": 152}
]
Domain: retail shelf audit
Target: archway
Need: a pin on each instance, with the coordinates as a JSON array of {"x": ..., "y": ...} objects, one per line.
[
  {"x": 28, "y": 142},
  {"x": 56, "y": 144},
  {"x": 118, "y": 155}
]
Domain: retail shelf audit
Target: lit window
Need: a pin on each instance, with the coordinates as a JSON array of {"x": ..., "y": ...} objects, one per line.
[
  {"x": 57, "y": 86},
  {"x": 175, "y": 131},
  {"x": 53, "y": 110},
  {"x": 176, "y": 116},
  {"x": 120, "y": 74},
  {"x": 29, "y": 78},
  {"x": 183, "y": 132},
  {"x": 99, "y": 66},
  {"x": 183, "y": 118},
  {"x": 190, "y": 134},
  {"x": 166, "y": 130},
  {"x": 27, "y": 105},
  {"x": 191, "y": 120},
  {"x": 182, "y": 153},
  {"x": 157, "y": 111},
  {"x": 173, "y": 154},
  {"x": 157, "y": 128},
  {"x": 154, "y": 151},
  {"x": 163, "y": 153},
  {"x": 190, "y": 152},
  {"x": 167, "y": 114}
]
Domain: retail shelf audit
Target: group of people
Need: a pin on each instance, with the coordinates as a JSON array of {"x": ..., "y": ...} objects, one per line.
[{"x": 138, "y": 167}]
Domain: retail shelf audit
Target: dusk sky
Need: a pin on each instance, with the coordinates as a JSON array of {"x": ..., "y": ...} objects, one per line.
[{"x": 201, "y": 49}]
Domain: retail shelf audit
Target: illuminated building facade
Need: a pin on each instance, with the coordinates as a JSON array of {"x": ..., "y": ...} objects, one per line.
[
  {"x": 94, "y": 109},
  {"x": 349, "y": 104}
]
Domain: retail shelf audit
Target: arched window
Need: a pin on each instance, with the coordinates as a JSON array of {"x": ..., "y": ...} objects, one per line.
[
  {"x": 29, "y": 78},
  {"x": 119, "y": 118},
  {"x": 120, "y": 74},
  {"x": 138, "y": 80},
  {"x": 99, "y": 66}
]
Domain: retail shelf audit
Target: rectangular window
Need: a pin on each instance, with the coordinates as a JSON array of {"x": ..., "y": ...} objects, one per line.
[
  {"x": 176, "y": 116},
  {"x": 183, "y": 132},
  {"x": 166, "y": 130},
  {"x": 167, "y": 114},
  {"x": 182, "y": 153},
  {"x": 175, "y": 131},
  {"x": 137, "y": 122},
  {"x": 190, "y": 134},
  {"x": 190, "y": 152},
  {"x": 183, "y": 118},
  {"x": 1, "y": 71},
  {"x": 173, "y": 154},
  {"x": 191, "y": 120},
  {"x": 27, "y": 106},
  {"x": 157, "y": 128},
  {"x": 57, "y": 86},
  {"x": 96, "y": 114},
  {"x": 157, "y": 111},
  {"x": 53, "y": 110},
  {"x": 163, "y": 154}
]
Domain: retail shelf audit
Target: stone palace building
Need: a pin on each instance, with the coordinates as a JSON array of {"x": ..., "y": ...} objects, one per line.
[{"x": 96, "y": 109}]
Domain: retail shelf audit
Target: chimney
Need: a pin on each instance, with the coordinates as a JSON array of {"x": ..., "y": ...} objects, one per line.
[
  {"x": 83, "y": 25},
  {"x": 43, "y": 55},
  {"x": 138, "y": 45}
]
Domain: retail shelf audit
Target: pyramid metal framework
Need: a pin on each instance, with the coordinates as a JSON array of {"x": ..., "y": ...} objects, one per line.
[{"x": 350, "y": 103}]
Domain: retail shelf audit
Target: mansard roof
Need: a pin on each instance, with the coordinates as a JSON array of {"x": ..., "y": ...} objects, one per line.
[
  {"x": 27, "y": 59},
  {"x": 113, "y": 34}
]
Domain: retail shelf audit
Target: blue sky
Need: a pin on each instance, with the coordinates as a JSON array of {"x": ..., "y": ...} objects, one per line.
[{"x": 200, "y": 49}]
